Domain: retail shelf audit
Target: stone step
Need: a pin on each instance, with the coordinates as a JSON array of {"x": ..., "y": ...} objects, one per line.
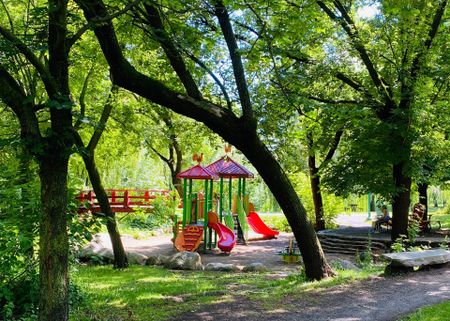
[
  {"x": 349, "y": 245},
  {"x": 352, "y": 242}
]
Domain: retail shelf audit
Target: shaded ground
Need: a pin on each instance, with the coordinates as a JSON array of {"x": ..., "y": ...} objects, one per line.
[
  {"x": 380, "y": 299},
  {"x": 264, "y": 251}
]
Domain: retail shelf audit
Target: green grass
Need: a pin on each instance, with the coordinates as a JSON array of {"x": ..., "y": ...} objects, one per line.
[
  {"x": 437, "y": 312},
  {"x": 153, "y": 293},
  {"x": 444, "y": 218}
]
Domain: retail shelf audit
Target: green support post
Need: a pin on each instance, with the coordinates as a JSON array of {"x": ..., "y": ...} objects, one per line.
[
  {"x": 205, "y": 215},
  {"x": 230, "y": 194},
  {"x": 239, "y": 188},
  {"x": 220, "y": 199},
  {"x": 368, "y": 208},
  {"x": 184, "y": 201},
  {"x": 210, "y": 208},
  {"x": 243, "y": 186}
]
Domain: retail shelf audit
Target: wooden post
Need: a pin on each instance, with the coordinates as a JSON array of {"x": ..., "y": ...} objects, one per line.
[{"x": 126, "y": 199}]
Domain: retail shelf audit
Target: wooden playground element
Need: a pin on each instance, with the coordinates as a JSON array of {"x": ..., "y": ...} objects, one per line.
[{"x": 121, "y": 200}]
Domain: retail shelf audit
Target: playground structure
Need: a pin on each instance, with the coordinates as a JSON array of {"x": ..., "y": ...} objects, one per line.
[
  {"x": 120, "y": 200},
  {"x": 200, "y": 209}
]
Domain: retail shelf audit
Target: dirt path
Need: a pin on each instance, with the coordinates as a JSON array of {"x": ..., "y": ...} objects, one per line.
[{"x": 377, "y": 299}]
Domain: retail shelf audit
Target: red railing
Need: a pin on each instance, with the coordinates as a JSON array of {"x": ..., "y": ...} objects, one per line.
[{"x": 121, "y": 200}]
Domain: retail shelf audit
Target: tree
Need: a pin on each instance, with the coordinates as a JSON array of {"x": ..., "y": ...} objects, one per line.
[
  {"x": 381, "y": 63},
  {"x": 241, "y": 131},
  {"x": 87, "y": 153}
]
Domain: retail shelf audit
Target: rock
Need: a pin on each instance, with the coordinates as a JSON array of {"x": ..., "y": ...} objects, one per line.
[
  {"x": 417, "y": 259},
  {"x": 184, "y": 261},
  {"x": 255, "y": 267},
  {"x": 221, "y": 267},
  {"x": 97, "y": 251},
  {"x": 162, "y": 259},
  {"x": 345, "y": 265},
  {"x": 151, "y": 260},
  {"x": 136, "y": 258}
]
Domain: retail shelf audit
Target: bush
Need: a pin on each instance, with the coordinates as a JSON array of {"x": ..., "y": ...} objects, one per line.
[{"x": 159, "y": 216}]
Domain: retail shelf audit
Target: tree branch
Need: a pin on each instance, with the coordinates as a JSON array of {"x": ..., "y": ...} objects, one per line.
[
  {"x": 238, "y": 68},
  {"x": 22, "y": 106},
  {"x": 334, "y": 102},
  {"x": 99, "y": 129},
  {"x": 72, "y": 40},
  {"x": 126, "y": 76},
  {"x": 350, "y": 29},
  {"x": 46, "y": 77},
  {"x": 213, "y": 76},
  {"x": 333, "y": 147},
  {"x": 82, "y": 97},
  {"x": 153, "y": 18}
]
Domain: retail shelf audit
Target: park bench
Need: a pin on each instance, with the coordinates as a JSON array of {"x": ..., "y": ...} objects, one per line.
[{"x": 408, "y": 261}]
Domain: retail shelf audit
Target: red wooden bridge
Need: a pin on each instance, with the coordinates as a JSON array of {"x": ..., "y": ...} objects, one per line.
[{"x": 121, "y": 200}]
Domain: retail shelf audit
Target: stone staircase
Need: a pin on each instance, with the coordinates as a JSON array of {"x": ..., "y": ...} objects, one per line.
[{"x": 350, "y": 245}]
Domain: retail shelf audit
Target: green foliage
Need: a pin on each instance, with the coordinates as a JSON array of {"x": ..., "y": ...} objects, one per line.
[
  {"x": 365, "y": 258},
  {"x": 332, "y": 204},
  {"x": 159, "y": 216},
  {"x": 19, "y": 215},
  {"x": 413, "y": 231},
  {"x": 399, "y": 245},
  {"x": 277, "y": 222}
]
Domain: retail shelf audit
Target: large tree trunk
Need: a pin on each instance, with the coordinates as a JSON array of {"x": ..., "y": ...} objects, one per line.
[
  {"x": 120, "y": 257},
  {"x": 53, "y": 244},
  {"x": 316, "y": 266},
  {"x": 315, "y": 186},
  {"x": 423, "y": 197},
  {"x": 401, "y": 201}
]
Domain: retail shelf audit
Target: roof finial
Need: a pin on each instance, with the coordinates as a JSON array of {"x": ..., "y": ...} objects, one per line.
[
  {"x": 197, "y": 158},
  {"x": 227, "y": 148}
]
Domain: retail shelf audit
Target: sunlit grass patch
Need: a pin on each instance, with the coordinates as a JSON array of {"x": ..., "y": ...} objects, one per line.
[
  {"x": 154, "y": 293},
  {"x": 437, "y": 312}
]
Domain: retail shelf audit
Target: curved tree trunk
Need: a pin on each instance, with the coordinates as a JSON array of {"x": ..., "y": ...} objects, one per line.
[
  {"x": 120, "y": 257},
  {"x": 423, "y": 197},
  {"x": 316, "y": 266},
  {"x": 315, "y": 186},
  {"x": 53, "y": 243}
]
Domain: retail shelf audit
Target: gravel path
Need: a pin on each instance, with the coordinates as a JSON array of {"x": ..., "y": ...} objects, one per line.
[{"x": 377, "y": 299}]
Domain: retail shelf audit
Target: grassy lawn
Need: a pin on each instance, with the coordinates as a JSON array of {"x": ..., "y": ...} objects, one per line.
[
  {"x": 444, "y": 218},
  {"x": 438, "y": 312},
  {"x": 152, "y": 293}
]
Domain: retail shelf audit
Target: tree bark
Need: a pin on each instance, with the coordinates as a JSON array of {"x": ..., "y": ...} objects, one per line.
[
  {"x": 316, "y": 266},
  {"x": 120, "y": 257},
  {"x": 315, "y": 186},
  {"x": 53, "y": 244},
  {"x": 423, "y": 197},
  {"x": 401, "y": 201}
]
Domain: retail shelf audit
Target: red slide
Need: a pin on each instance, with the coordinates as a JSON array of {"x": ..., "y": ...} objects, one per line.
[
  {"x": 258, "y": 225},
  {"x": 227, "y": 239}
]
